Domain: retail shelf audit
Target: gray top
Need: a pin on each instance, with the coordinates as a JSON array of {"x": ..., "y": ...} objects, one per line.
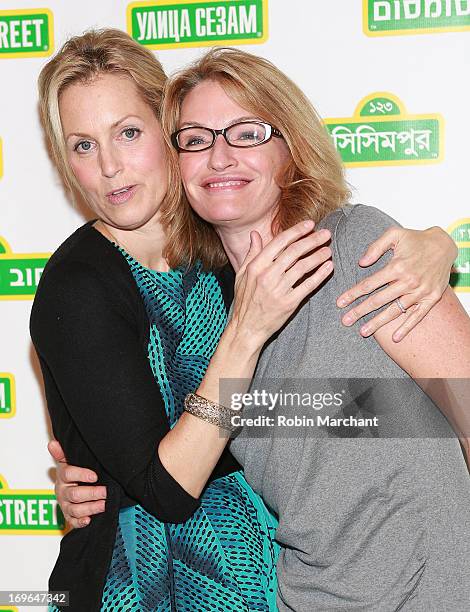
[{"x": 365, "y": 522}]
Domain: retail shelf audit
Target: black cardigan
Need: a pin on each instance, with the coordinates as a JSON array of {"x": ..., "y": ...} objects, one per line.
[{"x": 90, "y": 330}]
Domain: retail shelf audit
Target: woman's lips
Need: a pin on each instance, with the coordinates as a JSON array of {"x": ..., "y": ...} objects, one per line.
[
  {"x": 121, "y": 195},
  {"x": 226, "y": 184}
]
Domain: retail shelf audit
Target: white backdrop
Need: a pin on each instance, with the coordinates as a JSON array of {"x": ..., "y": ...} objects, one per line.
[{"x": 339, "y": 55}]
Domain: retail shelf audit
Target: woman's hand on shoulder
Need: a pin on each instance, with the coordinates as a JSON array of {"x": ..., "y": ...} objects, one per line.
[
  {"x": 78, "y": 503},
  {"x": 274, "y": 280},
  {"x": 417, "y": 275}
]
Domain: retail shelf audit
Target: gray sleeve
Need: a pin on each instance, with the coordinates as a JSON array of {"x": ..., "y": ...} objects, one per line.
[{"x": 358, "y": 227}]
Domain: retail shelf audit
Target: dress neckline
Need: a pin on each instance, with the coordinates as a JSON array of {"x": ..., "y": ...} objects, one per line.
[{"x": 133, "y": 260}]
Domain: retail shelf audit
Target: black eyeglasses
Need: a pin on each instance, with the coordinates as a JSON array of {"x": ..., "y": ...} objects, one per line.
[{"x": 241, "y": 135}]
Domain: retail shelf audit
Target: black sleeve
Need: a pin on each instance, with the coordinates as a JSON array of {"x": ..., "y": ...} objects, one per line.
[{"x": 92, "y": 349}]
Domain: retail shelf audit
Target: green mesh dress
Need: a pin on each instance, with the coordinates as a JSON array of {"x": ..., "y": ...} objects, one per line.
[{"x": 224, "y": 557}]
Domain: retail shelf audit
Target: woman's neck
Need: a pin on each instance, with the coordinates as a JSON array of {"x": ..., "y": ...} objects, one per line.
[
  {"x": 145, "y": 243},
  {"x": 236, "y": 241}
]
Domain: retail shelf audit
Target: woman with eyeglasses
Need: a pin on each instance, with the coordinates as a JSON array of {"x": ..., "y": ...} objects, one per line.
[
  {"x": 371, "y": 487},
  {"x": 125, "y": 334}
]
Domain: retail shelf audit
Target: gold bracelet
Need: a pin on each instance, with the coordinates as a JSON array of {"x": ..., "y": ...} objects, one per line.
[{"x": 210, "y": 411}]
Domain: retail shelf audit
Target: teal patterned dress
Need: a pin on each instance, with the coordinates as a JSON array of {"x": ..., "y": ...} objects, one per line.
[{"x": 224, "y": 557}]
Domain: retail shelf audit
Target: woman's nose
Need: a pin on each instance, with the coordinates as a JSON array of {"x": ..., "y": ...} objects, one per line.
[
  {"x": 110, "y": 161},
  {"x": 221, "y": 155}
]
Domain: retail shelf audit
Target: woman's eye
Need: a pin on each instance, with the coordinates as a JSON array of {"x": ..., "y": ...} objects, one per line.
[
  {"x": 248, "y": 136},
  {"x": 83, "y": 146},
  {"x": 131, "y": 133},
  {"x": 194, "y": 141}
]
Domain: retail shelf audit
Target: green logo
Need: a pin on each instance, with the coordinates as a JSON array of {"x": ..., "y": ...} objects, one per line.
[
  {"x": 381, "y": 133},
  {"x": 460, "y": 278},
  {"x": 7, "y": 395},
  {"x": 196, "y": 23},
  {"x": 391, "y": 17},
  {"x": 26, "y": 33},
  {"x": 19, "y": 273},
  {"x": 29, "y": 512}
]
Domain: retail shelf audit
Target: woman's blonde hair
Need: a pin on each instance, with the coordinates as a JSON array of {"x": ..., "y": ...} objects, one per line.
[
  {"x": 81, "y": 60},
  {"x": 312, "y": 184}
]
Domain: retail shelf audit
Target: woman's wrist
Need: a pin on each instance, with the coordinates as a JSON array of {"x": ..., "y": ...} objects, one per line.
[
  {"x": 242, "y": 341},
  {"x": 449, "y": 247},
  {"x": 234, "y": 361},
  {"x": 211, "y": 412}
]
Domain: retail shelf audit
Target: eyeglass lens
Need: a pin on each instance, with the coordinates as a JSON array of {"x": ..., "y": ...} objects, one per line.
[{"x": 239, "y": 134}]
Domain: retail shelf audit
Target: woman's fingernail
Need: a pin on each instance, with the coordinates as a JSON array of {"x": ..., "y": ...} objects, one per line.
[
  {"x": 348, "y": 319},
  {"x": 309, "y": 223},
  {"x": 84, "y": 522},
  {"x": 365, "y": 331},
  {"x": 342, "y": 302}
]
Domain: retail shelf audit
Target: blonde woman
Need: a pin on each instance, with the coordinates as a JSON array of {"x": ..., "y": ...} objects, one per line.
[{"x": 122, "y": 338}]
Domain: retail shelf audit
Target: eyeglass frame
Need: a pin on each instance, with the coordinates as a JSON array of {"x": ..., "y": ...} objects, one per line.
[{"x": 270, "y": 131}]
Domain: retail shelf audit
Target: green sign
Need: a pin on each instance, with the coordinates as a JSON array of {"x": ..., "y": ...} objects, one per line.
[
  {"x": 386, "y": 17},
  {"x": 19, "y": 276},
  {"x": 461, "y": 231},
  {"x": 381, "y": 133},
  {"x": 379, "y": 106},
  {"x": 29, "y": 512},
  {"x": 26, "y": 33},
  {"x": 19, "y": 272},
  {"x": 460, "y": 278},
  {"x": 7, "y": 395},
  {"x": 386, "y": 141},
  {"x": 193, "y": 23}
]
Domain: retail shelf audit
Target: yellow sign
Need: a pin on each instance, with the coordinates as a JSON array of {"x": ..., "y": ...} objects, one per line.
[
  {"x": 19, "y": 272},
  {"x": 399, "y": 17},
  {"x": 460, "y": 277},
  {"x": 29, "y": 512},
  {"x": 382, "y": 133},
  {"x": 26, "y": 33},
  {"x": 7, "y": 395},
  {"x": 166, "y": 24}
]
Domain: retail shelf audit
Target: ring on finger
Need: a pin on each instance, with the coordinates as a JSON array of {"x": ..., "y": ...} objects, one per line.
[{"x": 400, "y": 305}]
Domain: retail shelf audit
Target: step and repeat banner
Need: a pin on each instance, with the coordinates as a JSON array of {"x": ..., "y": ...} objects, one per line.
[{"x": 390, "y": 77}]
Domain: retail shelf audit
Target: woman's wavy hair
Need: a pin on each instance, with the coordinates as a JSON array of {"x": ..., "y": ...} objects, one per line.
[
  {"x": 83, "y": 59},
  {"x": 312, "y": 184}
]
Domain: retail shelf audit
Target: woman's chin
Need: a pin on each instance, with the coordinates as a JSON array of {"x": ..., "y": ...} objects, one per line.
[
  {"x": 129, "y": 218},
  {"x": 222, "y": 215}
]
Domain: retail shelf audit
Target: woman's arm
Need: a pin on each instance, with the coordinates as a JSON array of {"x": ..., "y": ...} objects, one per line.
[
  {"x": 103, "y": 375},
  {"x": 265, "y": 297},
  {"x": 438, "y": 348},
  {"x": 101, "y": 393},
  {"x": 437, "y": 355},
  {"x": 417, "y": 274},
  {"x": 78, "y": 503}
]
